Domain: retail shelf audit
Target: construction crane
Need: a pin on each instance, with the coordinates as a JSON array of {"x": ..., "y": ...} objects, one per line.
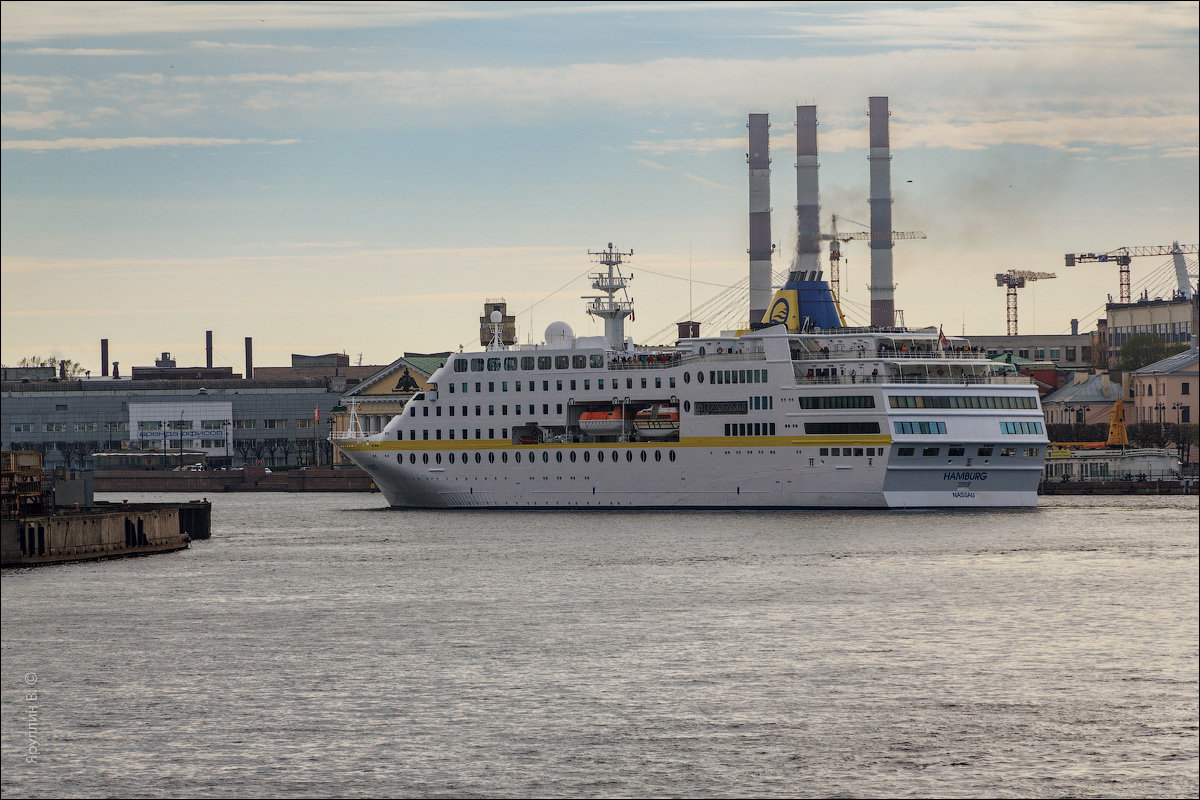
[
  {"x": 836, "y": 239},
  {"x": 1123, "y": 255},
  {"x": 1015, "y": 279}
]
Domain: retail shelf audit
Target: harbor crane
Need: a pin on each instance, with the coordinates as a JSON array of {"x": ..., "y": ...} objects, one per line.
[
  {"x": 1015, "y": 279},
  {"x": 836, "y": 240},
  {"x": 1123, "y": 255}
]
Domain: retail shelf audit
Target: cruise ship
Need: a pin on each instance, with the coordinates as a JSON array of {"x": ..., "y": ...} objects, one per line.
[{"x": 798, "y": 411}]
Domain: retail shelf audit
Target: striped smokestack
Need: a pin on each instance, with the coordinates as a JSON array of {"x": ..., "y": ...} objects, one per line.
[
  {"x": 808, "y": 210},
  {"x": 883, "y": 290},
  {"x": 759, "y": 159}
]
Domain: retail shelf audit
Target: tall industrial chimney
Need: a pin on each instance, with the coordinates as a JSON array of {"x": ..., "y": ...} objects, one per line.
[
  {"x": 249, "y": 358},
  {"x": 208, "y": 349},
  {"x": 883, "y": 290},
  {"x": 759, "y": 159},
  {"x": 808, "y": 209},
  {"x": 104, "y": 358}
]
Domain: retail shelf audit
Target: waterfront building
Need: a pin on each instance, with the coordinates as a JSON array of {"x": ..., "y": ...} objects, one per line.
[
  {"x": 1085, "y": 400},
  {"x": 1173, "y": 320},
  {"x": 371, "y": 403},
  {"x": 1111, "y": 464},
  {"x": 1064, "y": 351},
  {"x": 1165, "y": 391}
]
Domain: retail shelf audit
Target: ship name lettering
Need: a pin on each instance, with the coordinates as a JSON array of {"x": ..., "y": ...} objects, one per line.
[{"x": 964, "y": 476}]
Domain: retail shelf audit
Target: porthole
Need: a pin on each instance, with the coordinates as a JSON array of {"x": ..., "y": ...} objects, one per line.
[
  {"x": 687, "y": 377},
  {"x": 671, "y": 455},
  {"x": 504, "y": 458},
  {"x": 615, "y": 455},
  {"x": 452, "y": 458},
  {"x": 517, "y": 456},
  {"x": 629, "y": 455},
  {"x": 687, "y": 405},
  {"x": 412, "y": 458},
  {"x": 558, "y": 456},
  {"x": 399, "y": 458},
  {"x": 586, "y": 456},
  {"x": 478, "y": 458},
  {"x": 491, "y": 458},
  {"x": 700, "y": 377},
  {"x": 572, "y": 456},
  {"x": 545, "y": 457},
  {"x": 438, "y": 458},
  {"x": 425, "y": 458},
  {"x": 658, "y": 455},
  {"x": 643, "y": 456}
]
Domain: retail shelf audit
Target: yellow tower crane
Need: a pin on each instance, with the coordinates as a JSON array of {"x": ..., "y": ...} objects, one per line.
[{"x": 1015, "y": 279}]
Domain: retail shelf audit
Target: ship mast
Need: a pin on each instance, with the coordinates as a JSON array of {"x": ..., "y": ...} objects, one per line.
[{"x": 611, "y": 310}]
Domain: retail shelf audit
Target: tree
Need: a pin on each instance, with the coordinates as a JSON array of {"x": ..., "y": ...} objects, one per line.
[
  {"x": 73, "y": 368},
  {"x": 1144, "y": 349}
]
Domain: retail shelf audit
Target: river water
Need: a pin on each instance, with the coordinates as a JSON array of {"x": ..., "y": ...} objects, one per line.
[{"x": 320, "y": 644}]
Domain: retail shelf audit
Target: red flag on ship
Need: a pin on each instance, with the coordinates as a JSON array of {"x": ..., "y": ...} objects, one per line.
[
  {"x": 942, "y": 340},
  {"x": 317, "y": 413}
]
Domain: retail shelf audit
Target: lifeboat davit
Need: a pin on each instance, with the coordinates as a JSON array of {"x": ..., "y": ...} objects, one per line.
[
  {"x": 602, "y": 423},
  {"x": 657, "y": 422}
]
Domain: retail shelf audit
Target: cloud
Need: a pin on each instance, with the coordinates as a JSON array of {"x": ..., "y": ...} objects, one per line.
[
  {"x": 31, "y": 120},
  {"x": 294, "y": 48},
  {"x": 139, "y": 142},
  {"x": 84, "y": 51}
]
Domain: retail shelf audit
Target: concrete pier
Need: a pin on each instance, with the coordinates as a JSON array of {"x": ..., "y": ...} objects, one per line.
[{"x": 105, "y": 530}]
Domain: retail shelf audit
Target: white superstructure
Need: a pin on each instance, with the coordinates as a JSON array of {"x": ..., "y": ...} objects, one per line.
[{"x": 769, "y": 418}]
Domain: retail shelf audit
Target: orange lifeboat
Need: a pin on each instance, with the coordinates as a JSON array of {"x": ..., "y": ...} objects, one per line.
[
  {"x": 602, "y": 423},
  {"x": 657, "y": 422}
]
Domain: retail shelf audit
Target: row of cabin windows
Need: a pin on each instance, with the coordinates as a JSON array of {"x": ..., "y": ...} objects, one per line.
[
  {"x": 491, "y": 410},
  {"x": 510, "y": 363},
  {"x": 837, "y": 401},
  {"x": 852, "y": 451},
  {"x": 956, "y": 452},
  {"x": 749, "y": 428},
  {"x": 532, "y": 457},
  {"x": 437, "y": 434},
  {"x": 723, "y": 376},
  {"x": 920, "y": 427},
  {"x": 531, "y": 386},
  {"x": 1020, "y": 427},
  {"x": 939, "y": 401}
]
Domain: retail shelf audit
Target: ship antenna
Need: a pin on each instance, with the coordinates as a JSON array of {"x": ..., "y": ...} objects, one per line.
[{"x": 611, "y": 310}]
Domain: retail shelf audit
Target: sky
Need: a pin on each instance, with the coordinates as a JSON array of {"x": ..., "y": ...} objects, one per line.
[{"x": 361, "y": 177}]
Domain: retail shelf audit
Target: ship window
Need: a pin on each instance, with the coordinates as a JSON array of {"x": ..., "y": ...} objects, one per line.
[
  {"x": 510, "y": 362},
  {"x": 956, "y": 451},
  {"x": 572, "y": 384},
  {"x": 558, "y": 456},
  {"x": 478, "y": 433},
  {"x": 491, "y": 411},
  {"x": 587, "y": 457},
  {"x": 460, "y": 365},
  {"x": 687, "y": 377},
  {"x": 587, "y": 384},
  {"x": 562, "y": 362},
  {"x": 672, "y": 381},
  {"x": 629, "y": 383},
  {"x": 452, "y": 456},
  {"x": 596, "y": 360},
  {"x": 579, "y": 362},
  {"x": 629, "y": 455},
  {"x": 1031, "y": 452},
  {"x": 543, "y": 362},
  {"x": 836, "y": 451},
  {"x": 687, "y": 405},
  {"x": 412, "y": 458},
  {"x": 985, "y": 451},
  {"x": 493, "y": 365},
  {"x": 476, "y": 365},
  {"x": 727, "y": 429},
  {"x": 658, "y": 383},
  {"x": 572, "y": 456},
  {"x": 425, "y": 458},
  {"x": 643, "y": 456},
  {"x": 658, "y": 455},
  {"x": 858, "y": 451},
  {"x": 559, "y": 408},
  {"x": 545, "y": 457},
  {"x": 425, "y": 433},
  {"x": 478, "y": 387},
  {"x": 504, "y": 386},
  {"x": 600, "y": 383},
  {"x": 643, "y": 383},
  {"x": 1008, "y": 451},
  {"x": 491, "y": 458},
  {"x": 930, "y": 451},
  {"x": 504, "y": 457},
  {"x": 438, "y": 458},
  {"x": 614, "y": 455},
  {"x": 824, "y": 451},
  {"x": 517, "y": 456},
  {"x": 545, "y": 386},
  {"x": 671, "y": 455}
]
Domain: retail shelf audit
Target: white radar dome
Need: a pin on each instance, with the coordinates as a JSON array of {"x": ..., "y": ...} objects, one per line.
[
  {"x": 497, "y": 317},
  {"x": 559, "y": 332}
]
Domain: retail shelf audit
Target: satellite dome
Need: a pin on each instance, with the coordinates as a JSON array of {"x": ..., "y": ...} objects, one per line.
[
  {"x": 497, "y": 317},
  {"x": 558, "y": 333}
]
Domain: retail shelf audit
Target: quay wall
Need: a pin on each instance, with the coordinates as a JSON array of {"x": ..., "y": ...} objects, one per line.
[
  {"x": 250, "y": 479},
  {"x": 102, "y": 531}
]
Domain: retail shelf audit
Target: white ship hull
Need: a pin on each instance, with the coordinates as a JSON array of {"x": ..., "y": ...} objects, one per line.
[{"x": 699, "y": 477}]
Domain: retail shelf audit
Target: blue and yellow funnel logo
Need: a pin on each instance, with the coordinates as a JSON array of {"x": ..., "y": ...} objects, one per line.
[{"x": 784, "y": 310}]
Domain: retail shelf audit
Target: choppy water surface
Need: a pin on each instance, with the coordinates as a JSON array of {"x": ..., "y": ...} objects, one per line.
[{"x": 322, "y": 645}]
